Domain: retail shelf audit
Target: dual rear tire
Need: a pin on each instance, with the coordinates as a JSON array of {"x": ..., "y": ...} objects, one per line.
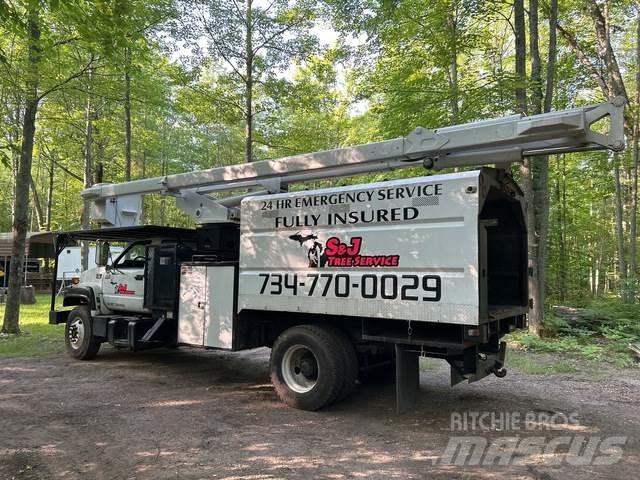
[{"x": 313, "y": 366}]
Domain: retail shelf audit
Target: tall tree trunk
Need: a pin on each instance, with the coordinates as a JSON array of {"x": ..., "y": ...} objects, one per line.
[
  {"x": 127, "y": 115},
  {"x": 88, "y": 172},
  {"x": 143, "y": 165},
  {"x": 530, "y": 181},
  {"x": 615, "y": 85},
  {"x": 542, "y": 220},
  {"x": 50, "y": 193},
  {"x": 526, "y": 169},
  {"x": 521, "y": 55},
  {"x": 249, "y": 84},
  {"x": 37, "y": 203},
  {"x": 622, "y": 262},
  {"x": 21, "y": 205},
  {"x": 99, "y": 158},
  {"x": 539, "y": 186},
  {"x": 551, "y": 58},
  {"x": 15, "y": 166},
  {"x": 453, "y": 63},
  {"x": 633, "y": 214},
  {"x": 163, "y": 204},
  {"x": 536, "y": 69},
  {"x": 561, "y": 276},
  {"x": 539, "y": 171},
  {"x": 562, "y": 206}
]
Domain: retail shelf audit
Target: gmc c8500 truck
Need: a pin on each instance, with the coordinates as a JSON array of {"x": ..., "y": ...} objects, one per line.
[{"x": 345, "y": 283}]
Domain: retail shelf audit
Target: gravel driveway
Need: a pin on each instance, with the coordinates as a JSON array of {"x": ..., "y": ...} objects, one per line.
[{"x": 191, "y": 414}]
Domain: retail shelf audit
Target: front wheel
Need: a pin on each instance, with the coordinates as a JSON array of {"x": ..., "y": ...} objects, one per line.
[
  {"x": 307, "y": 368},
  {"x": 78, "y": 334}
]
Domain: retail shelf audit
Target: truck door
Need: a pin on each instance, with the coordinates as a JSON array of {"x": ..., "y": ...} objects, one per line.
[{"x": 123, "y": 282}]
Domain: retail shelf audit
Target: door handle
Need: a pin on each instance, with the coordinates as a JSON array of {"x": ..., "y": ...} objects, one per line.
[{"x": 139, "y": 277}]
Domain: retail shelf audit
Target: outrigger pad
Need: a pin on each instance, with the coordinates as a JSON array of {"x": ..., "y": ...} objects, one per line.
[{"x": 407, "y": 378}]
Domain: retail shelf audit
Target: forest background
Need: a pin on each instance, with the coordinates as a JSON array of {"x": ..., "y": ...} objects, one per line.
[{"x": 116, "y": 90}]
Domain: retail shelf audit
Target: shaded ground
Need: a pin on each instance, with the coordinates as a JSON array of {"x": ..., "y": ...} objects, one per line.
[{"x": 189, "y": 414}]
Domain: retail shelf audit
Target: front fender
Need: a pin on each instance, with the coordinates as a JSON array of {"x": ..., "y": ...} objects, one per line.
[{"x": 79, "y": 296}]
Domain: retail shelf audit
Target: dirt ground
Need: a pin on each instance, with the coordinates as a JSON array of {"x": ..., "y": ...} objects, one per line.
[{"x": 188, "y": 414}]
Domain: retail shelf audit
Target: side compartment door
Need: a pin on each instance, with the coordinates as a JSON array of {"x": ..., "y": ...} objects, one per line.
[
  {"x": 220, "y": 307},
  {"x": 191, "y": 308}
]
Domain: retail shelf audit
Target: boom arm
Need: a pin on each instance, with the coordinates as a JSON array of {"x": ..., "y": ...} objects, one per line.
[{"x": 499, "y": 141}]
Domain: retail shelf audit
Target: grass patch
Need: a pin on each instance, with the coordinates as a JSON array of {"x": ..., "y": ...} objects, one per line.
[
  {"x": 535, "y": 364},
  {"x": 38, "y": 338}
]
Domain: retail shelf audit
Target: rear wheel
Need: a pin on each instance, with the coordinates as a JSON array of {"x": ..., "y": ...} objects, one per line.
[
  {"x": 350, "y": 364},
  {"x": 78, "y": 334},
  {"x": 307, "y": 368}
]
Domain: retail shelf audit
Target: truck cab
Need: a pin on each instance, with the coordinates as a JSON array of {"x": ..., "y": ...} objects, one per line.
[
  {"x": 129, "y": 299},
  {"x": 114, "y": 284},
  {"x": 122, "y": 281}
]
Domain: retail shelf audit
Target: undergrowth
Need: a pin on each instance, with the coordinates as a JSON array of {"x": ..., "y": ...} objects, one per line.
[{"x": 602, "y": 334}]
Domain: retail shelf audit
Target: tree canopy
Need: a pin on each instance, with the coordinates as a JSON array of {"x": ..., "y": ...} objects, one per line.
[{"x": 111, "y": 90}]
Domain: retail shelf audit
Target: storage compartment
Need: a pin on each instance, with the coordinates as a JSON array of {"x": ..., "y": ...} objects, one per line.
[
  {"x": 503, "y": 251},
  {"x": 213, "y": 243},
  {"x": 161, "y": 275},
  {"x": 207, "y": 305}
]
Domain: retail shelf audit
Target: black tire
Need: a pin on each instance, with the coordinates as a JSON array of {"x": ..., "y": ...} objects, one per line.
[
  {"x": 307, "y": 367},
  {"x": 350, "y": 364},
  {"x": 81, "y": 344}
]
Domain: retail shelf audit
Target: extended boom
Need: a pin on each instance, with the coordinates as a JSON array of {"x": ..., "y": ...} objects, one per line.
[{"x": 499, "y": 141}]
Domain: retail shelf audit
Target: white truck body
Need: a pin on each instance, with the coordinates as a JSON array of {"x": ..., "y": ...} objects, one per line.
[{"x": 404, "y": 249}]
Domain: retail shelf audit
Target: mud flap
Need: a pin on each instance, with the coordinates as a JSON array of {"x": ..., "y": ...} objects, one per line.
[{"x": 407, "y": 378}]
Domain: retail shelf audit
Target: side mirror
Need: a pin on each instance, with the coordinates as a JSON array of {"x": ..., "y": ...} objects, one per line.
[{"x": 102, "y": 254}]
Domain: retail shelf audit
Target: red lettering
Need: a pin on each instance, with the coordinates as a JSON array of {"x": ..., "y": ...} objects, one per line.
[
  {"x": 340, "y": 254},
  {"x": 332, "y": 246},
  {"x": 356, "y": 243}
]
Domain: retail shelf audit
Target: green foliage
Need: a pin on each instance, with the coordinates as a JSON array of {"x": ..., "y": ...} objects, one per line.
[
  {"x": 602, "y": 334},
  {"x": 622, "y": 321},
  {"x": 582, "y": 252}
]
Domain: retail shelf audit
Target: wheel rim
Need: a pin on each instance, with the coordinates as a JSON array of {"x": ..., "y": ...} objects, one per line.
[
  {"x": 76, "y": 333},
  {"x": 300, "y": 369}
]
